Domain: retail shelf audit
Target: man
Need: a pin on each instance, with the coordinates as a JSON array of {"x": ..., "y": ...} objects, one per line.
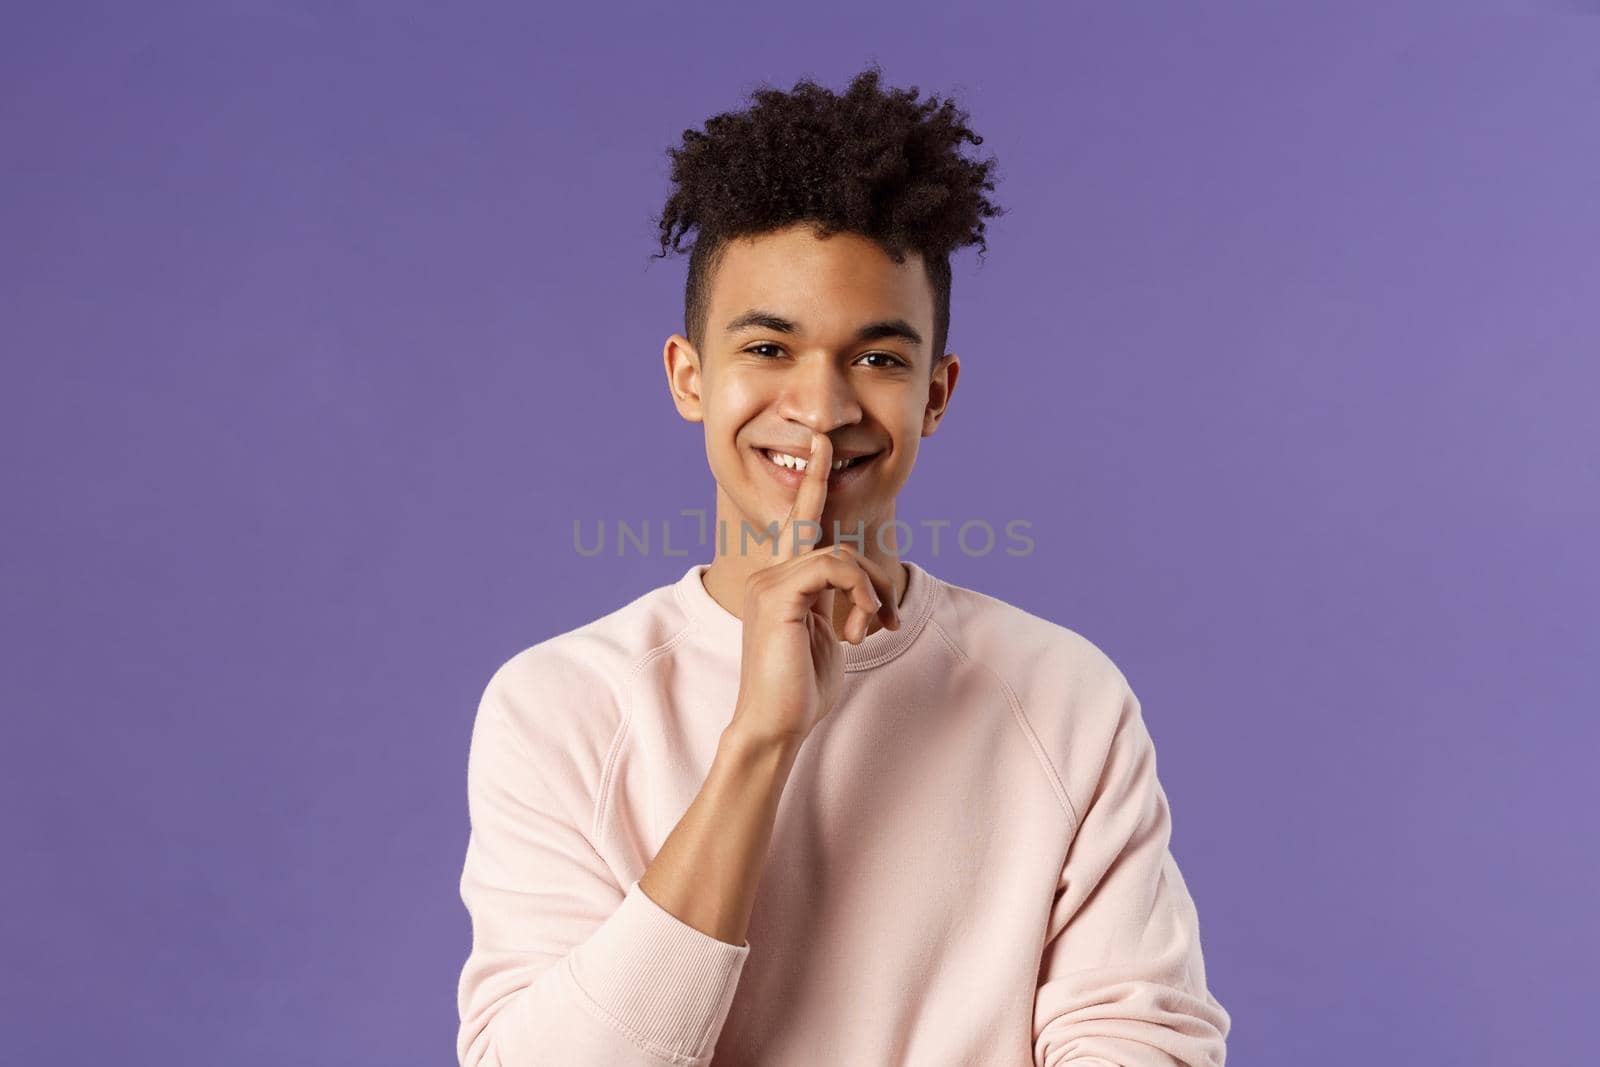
[{"x": 811, "y": 804}]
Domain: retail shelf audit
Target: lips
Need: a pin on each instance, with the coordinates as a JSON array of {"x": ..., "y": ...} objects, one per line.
[{"x": 804, "y": 451}]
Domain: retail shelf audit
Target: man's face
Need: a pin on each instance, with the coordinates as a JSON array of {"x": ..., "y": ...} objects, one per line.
[{"x": 807, "y": 334}]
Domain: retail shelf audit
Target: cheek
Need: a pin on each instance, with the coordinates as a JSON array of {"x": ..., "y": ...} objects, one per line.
[
  {"x": 729, "y": 414},
  {"x": 901, "y": 459},
  {"x": 735, "y": 393}
]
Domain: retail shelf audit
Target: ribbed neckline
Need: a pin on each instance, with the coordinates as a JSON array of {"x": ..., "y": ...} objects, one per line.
[{"x": 727, "y": 629}]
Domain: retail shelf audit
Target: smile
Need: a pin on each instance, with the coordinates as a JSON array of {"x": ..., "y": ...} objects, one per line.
[
  {"x": 788, "y": 470},
  {"x": 783, "y": 459}
]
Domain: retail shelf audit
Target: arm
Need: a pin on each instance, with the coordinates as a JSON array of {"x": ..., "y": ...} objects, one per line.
[
  {"x": 1122, "y": 982},
  {"x": 567, "y": 967},
  {"x": 710, "y": 866}
]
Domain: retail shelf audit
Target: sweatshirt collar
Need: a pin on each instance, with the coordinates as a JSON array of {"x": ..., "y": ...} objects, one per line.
[{"x": 727, "y": 629}]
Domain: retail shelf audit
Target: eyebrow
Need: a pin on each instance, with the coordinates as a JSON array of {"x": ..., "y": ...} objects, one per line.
[{"x": 758, "y": 318}]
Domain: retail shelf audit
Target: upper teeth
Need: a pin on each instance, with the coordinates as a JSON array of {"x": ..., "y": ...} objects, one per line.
[{"x": 783, "y": 459}]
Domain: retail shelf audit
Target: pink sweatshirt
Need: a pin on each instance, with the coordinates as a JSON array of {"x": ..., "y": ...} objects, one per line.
[{"x": 969, "y": 866}]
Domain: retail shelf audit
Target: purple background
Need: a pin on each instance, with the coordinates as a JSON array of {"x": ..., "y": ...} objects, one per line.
[{"x": 321, "y": 327}]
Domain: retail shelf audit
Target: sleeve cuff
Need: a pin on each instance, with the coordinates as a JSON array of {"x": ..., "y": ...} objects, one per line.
[{"x": 664, "y": 982}]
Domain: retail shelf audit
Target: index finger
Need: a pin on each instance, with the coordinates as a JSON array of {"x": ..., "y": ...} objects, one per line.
[{"x": 812, "y": 495}]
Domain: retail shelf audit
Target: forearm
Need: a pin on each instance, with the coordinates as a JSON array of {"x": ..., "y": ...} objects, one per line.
[{"x": 710, "y": 866}]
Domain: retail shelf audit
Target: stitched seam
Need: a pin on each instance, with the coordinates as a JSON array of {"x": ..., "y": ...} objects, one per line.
[
  {"x": 922, "y": 619},
  {"x": 1052, "y": 775},
  {"x": 619, "y": 739}
]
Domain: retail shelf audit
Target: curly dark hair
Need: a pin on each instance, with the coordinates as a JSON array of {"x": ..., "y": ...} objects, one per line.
[{"x": 872, "y": 161}]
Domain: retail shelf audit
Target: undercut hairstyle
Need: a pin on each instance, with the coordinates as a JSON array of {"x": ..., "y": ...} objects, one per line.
[{"x": 873, "y": 161}]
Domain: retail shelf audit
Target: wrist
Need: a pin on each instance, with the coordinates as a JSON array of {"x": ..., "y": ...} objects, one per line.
[{"x": 750, "y": 745}]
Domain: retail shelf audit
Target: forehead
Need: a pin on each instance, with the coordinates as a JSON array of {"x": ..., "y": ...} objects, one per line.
[{"x": 828, "y": 286}]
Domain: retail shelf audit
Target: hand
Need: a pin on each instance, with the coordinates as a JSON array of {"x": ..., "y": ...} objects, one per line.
[{"x": 791, "y": 665}]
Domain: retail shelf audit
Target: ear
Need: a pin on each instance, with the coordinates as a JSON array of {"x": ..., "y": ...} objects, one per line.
[
  {"x": 682, "y": 365},
  {"x": 940, "y": 388}
]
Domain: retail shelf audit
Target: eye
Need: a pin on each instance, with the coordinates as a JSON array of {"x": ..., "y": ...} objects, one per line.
[{"x": 894, "y": 361}]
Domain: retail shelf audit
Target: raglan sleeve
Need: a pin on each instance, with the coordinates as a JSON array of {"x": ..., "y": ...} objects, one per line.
[
  {"x": 1122, "y": 981},
  {"x": 567, "y": 965}
]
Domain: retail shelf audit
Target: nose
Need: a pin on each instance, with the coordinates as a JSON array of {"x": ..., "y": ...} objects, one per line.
[{"x": 818, "y": 394}]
